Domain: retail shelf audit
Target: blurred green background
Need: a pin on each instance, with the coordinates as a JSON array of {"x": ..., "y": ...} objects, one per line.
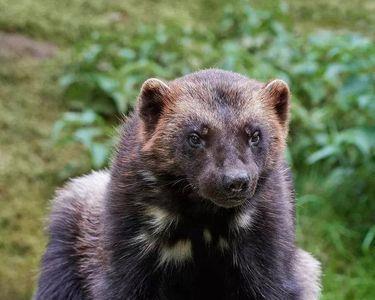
[{"x": 70, "y": 69}]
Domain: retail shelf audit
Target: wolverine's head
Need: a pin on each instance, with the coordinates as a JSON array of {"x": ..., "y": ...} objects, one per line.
[{"x": 219, "y": 130}]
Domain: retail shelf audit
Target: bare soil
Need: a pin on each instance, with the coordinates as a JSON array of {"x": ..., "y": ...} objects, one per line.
[{"x": 14, "y": 45}]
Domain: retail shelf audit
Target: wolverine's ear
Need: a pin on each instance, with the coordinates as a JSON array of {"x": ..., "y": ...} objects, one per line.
[
  {"x": 278, "y": 93},
  {"x": 151, "y": 102}
]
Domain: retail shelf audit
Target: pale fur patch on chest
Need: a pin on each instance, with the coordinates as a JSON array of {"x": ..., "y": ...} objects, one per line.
[
  {"x": 178, "y": 253},
  {"x": 160, "y": 225},
  {"x": 162, "y": 222},
  {"x": 159, "y": 219},
  {"x": 223, "y": 244},
  {"x": 243, "y": 220},
  {"x": 207, "y": 236}
]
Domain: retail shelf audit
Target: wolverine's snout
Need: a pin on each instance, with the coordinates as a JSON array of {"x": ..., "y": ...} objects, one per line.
[{"x": 236, "y": 181}]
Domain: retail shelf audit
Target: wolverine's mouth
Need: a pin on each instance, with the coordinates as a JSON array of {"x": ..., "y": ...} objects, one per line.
[{"x": 230, "y": 200}]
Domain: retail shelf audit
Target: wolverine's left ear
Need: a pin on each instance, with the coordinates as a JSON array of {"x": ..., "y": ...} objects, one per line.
[
  {"x": 151, "y": 102},
  {"x": 278, "y": 94}
]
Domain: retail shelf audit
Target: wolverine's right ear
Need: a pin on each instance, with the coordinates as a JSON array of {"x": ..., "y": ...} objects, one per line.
[
  {"x": 151, "y": 102},
  {"x": 277, "y": 94}
]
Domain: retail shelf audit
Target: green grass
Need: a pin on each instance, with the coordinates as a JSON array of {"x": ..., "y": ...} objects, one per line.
[
  {"x": 31, "y": 167},
  {"x": 66, "y": 21},
  {"x": 348, "y": 272},
  {"x": 355, "y": 15}
]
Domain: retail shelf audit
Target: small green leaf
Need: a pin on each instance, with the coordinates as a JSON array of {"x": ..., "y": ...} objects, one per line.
[
  {"x": 99, "y": 154},
  {"x": 322, "y": 153},
  {"x": 367, "y": 241}
]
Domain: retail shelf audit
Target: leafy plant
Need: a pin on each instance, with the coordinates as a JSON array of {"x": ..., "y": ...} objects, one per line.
[
  {"x": 331, "y": 75},
  {"x": 87, "y": 128}
]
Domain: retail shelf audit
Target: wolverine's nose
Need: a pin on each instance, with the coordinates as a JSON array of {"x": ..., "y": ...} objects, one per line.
[{"x": 236, "y": 181}]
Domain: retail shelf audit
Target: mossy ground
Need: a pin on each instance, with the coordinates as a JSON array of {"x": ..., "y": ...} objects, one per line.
[{"x": 30, "y": 102}]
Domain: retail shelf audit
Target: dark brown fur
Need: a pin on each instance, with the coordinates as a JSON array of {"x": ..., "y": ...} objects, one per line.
[{"x": 165, "y": 224}]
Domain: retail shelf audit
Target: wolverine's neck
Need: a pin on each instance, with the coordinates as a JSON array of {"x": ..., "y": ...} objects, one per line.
[
  {"x": 170, "y": 206},
  {"x": 162, "y": 217}
]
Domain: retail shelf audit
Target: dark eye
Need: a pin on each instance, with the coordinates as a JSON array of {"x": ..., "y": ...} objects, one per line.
[
  {"x": 255, "y": 139},
  {"x": 194, "y": 140}
]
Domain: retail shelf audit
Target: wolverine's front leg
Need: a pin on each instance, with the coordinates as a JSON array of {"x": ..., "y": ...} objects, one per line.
[{"x": 132, "y": 278}]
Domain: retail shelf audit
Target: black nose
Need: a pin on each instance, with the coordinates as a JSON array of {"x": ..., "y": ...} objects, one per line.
[{"x": 236, "y": 182}]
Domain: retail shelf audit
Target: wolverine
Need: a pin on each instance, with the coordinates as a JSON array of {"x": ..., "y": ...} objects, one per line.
[{"x": 198, "y": 202}]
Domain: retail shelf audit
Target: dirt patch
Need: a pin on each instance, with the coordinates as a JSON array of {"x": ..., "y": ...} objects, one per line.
[{"x": 14, "y": 45}]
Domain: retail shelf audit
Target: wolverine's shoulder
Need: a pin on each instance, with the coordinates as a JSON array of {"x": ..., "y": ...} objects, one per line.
[
  {"x": 77, "y": 207},
  {"x": 73, "y": 263},
  {"x": 82, "y": 192}
]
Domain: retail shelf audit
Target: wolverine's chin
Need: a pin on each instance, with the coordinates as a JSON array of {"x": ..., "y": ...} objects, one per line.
[
  {"x": 225, "y": 202},
  {"x": 228, "y": 203}
]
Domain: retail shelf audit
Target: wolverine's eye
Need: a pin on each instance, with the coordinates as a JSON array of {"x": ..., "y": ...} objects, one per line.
[
  {"x": 255, "y": 139},
  {"x": 194, "y": 140}
]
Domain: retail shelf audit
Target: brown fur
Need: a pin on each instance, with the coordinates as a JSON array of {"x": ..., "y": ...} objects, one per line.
[{"x": 163, "y": 224}]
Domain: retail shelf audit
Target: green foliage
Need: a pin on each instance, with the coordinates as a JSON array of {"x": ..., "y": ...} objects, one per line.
[
  {"x": 331, "y": 76},
  {"x": 332, "y": 138},
  {"x": 87, "y": 128}
]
